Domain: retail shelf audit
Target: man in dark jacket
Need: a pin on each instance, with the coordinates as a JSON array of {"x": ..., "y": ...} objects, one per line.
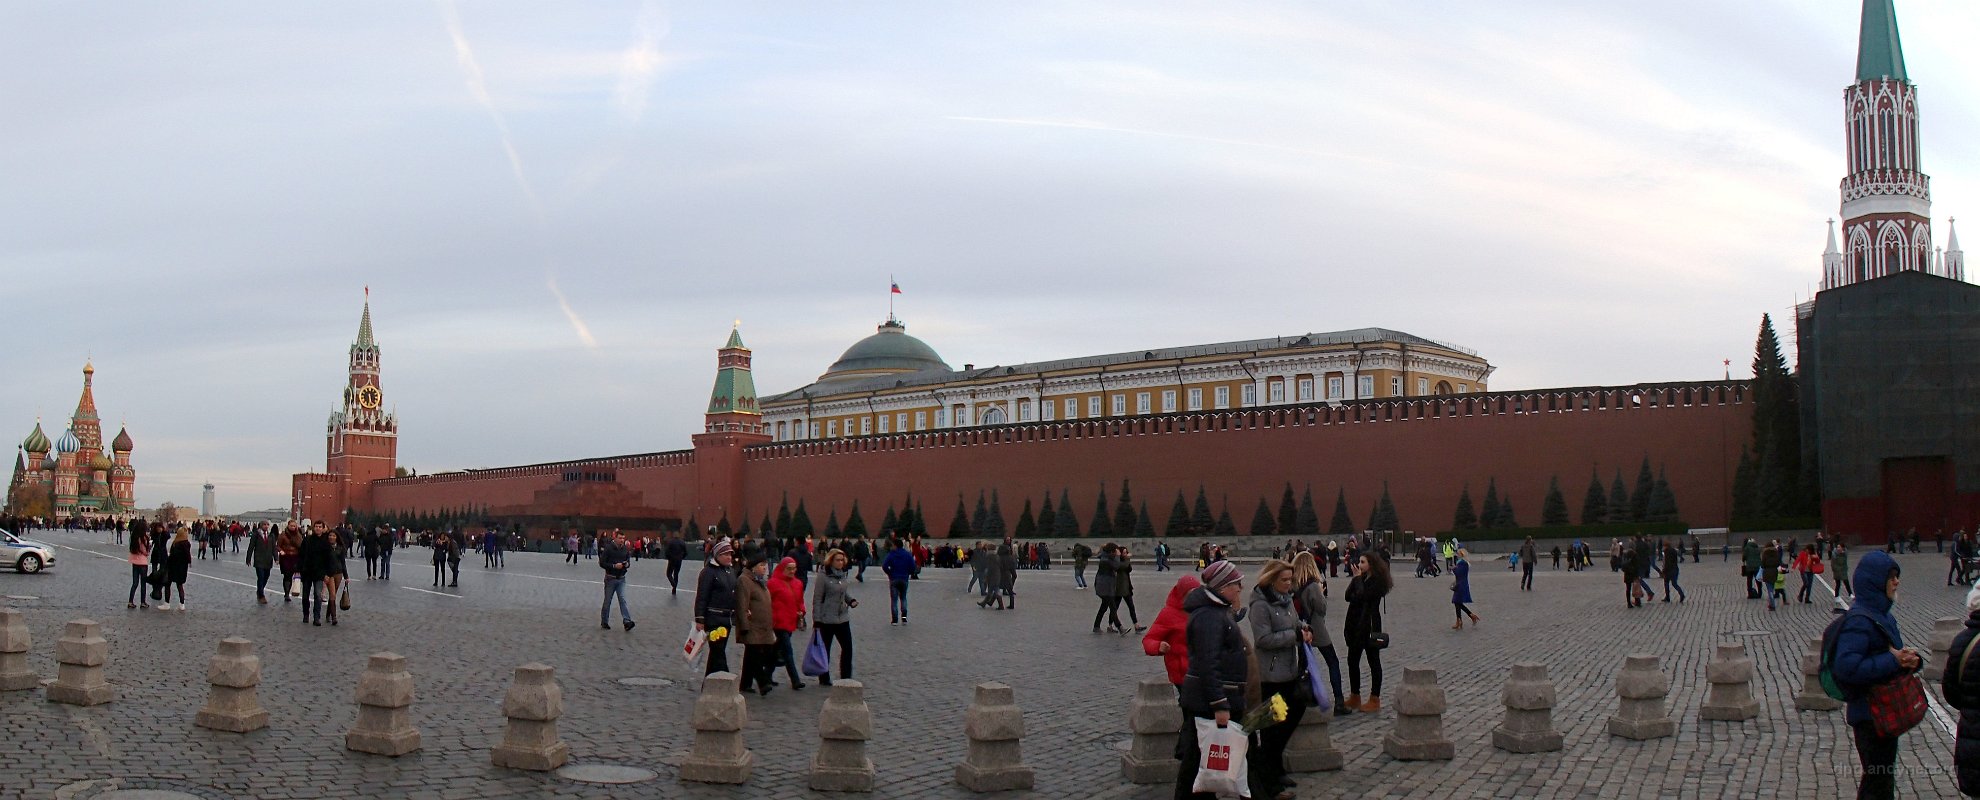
[
  {"x": 1749, "y": 567},
  {"x": 1961, "y": 685},
  {"x": 676, "y": 553},
  {"x": 1870, "y": 651},
  {"x": 1213, "y": 685},
  {"x": 388, "y": 540},
  {"x": 1081, "y": 553},
  {"x": 313, "y": 561},
  {"x": 899, "y": 567},
  {"x": 860, "y": 553},
  {"x": 801, "y": 553},
  {"x": 615, "y": 559},
  {"x": 715, "y": 605},
  {"x": 261, "y": 556}
]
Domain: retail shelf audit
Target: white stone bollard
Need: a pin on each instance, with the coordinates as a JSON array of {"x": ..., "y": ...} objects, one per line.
[
  {"x": 1642, "y": 687},
  {"x": 1812, "y": 698},
  {"x": 79, "y": 657},
  {"x": 844, "y": 726},
  {"x": 1943, "y": 631},
  {"x": 995, "y": 727},
  {"x": 234, "y": 704},
  {"x": 1730, "y": 697},
  {"x": 1419, "y": 731},
  {"x": 533, "y": 704},
  {"x": 1155, "y": 720},
  {"x": 1311, "y": 748},
  {"x": 15, "y": 642},
  {"x": 718, "y": 754},
  {"x": 385, "y": 698},
  {"x": 1529, "y": 726}
]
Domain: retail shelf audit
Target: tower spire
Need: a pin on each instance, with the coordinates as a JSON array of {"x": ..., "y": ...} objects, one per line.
[
  {"x": 364, "y": 325},
  {"x": 1879, "y": 55}
]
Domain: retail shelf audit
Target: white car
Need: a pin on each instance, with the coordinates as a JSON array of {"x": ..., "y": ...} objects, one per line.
[{"x": 21, "y": 554}]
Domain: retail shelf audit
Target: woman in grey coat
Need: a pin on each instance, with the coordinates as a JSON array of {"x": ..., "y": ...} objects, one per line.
[
  {"x": 1276, "y": 635},
  {"x": 1310, "y": 599},
  {"x": 831, "y": 615},
  {"x": 1124, "y": 588},
  {"x": 1103, "y": 586}
]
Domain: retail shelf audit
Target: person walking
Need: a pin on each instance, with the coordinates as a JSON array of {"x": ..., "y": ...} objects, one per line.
[
  {"x": 1168, "y": 636},
  {"x": 676, "y": 553},
  {"x": 1809, "y": 564},
  {"x": 1081, "y": 554},
  {"x": 440, "y": 558},
  {"x": 1528, "y": 554},
  {"x": 1461, "y": 589},
  {"x": 1103, "y": 587},
  {"x": 140, "y": 559},
  {"x": 1770, "y": 563},
  {"x": 615, "y": 560},
  {"x": 456, "y": 541},
  {"x": 1961, "y": 688},
  {"x": 571, "y": 548},
  {"x": 757, "y": 618},
  {"x": 288, "y": 556},
  {"x": 1213, "y": 686},
  {"x": 369, "y": 541},
  {"x": 715, "y": 602},
  {"x": 1840, "y": 555},
  {"x": 1124, "y": 589},
  {"x": 899, "y": 567},
  {"x": 1370, "y": 582},
  {"x": 787, "y": 615},
  {"x": 1749, "y": 567},
  {"x": 334, "y": 572},
  {"x": 1277, "y": 633},
  {"x": 178, "y": 563},
  {"x": 1869, "y": 650},
  {"x": 261, "y": 556},
  {"x": 1007, "y": 567},
  {"x": 1673, "y": 560},
  {"x": 831, "y": 609},
  {"x": 314, "y": 564},
  {"x": 1310, "y": 600},
  {"x": 388, "y": 540}
]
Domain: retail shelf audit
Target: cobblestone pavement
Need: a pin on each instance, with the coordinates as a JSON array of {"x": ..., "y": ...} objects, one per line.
[{"x": 462, "y": 644}]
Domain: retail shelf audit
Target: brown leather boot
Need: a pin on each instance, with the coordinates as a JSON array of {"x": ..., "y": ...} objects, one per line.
[
  {"x": 1353, "y": 701},
  {"x": 1373, "y": 705}
]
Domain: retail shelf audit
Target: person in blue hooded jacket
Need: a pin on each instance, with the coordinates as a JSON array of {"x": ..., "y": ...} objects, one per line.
[
  {"x": 1870, "y": 651},
  {"x": 899, "y": 567}
]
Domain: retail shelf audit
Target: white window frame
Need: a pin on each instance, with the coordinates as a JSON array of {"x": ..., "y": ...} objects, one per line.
[
  {"x": 1196, "y": 399},
  {"x": 1276, "y": 390},
  {"x": 1248, "y": 396},
  {"x": 865, "y": 426},
  {"x": 1223, "y": 396},
  {"x": 1305, "y": 389},
  {"x": 941, "y": 417},
  {"x": 1365, "y": 386},
  {"x": 1047, "y": 408},
  {"x": 832, "y": 429},
  {"x": 1093, "y": 407},
  {"x": 1024, "y": 409},
  {"x": 1120, "y": 405},
  {"x": 1072, "y": 408},
  {"x": 921, "y": 420},
  {"x": 962, "y": 416},
  {"x": 1142, "y": 404},
  {"x": 813, "y": 431},
  {"x": 883, "y": 423},
  {"x": 1422, "y": 387},
  {"x": 1395, "y": 386},
  {"x": 1168, "y": 401},
  {"x": 1334, "y": 387},
  {"x": 1463, "y": 389},
  {"x": 900, "y": 422}
]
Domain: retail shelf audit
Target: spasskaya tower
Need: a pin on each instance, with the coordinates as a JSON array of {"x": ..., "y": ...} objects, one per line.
[{"x": 361, "y": 443}]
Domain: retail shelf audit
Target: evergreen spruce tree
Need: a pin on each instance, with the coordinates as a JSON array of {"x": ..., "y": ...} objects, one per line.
[
  {"x": 1261, "y": 520},
  {"x": 1663, "y": 504},
  {"x": 959, "y": 528},
  {"x": 1201, "y": 521},
  {"x": 1489, "y": 517},
  {"x": 1101, "y": 527},
  {"x": 1553, "y": 510},
  {"x": 745, "y": 532},
  {"x": 1048, "y": 517},
  {"x": 784, "y": 517},
  {"x": 1223, "y": 526},
  {"x": 1064, "y": 524},
  {"x": 1618, "y": 500},
  {"x": 1778, "y": 475},
  {"x": 832, "y": 530},
  {"x": 693, "y": 531},
  {"x": 1027, "y": 527},
  {"x": 801, "y": 522},
  {"x": 889, "y": 524},
  {"x": 855, "y": 525},
  {"x": 722, "y": 528},
  {"x": 1506, "y": 517},
  {"x": 1594, "y": 505},
  {"x": 979, "y": 523},
  {"x": 1391, "y": 521},
  {"x": 1143, "y": 526},
  {"x": 994, "y": 526},
  {"x": 1639, "y": 500},
  {"x": 1341, "y": 524},
  {"x": 1306, "y": 527},
  {"x": 1124, "y": 513},
  {"x": 1744, "y": 480},
  {"x": 920, "y": 522},
  {"x": 768, "y": 528},
  {"x": 1288, "y": 513},
  {"x": 1465, "y": 518},
  {"x": 1178, "y": 518}
]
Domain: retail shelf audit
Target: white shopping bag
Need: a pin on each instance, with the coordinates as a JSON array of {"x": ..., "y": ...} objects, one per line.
[
  {"x": 295, "y": 587},
  {"x": 695, "y": 649},
  {"x": 1220, "y": 764}
]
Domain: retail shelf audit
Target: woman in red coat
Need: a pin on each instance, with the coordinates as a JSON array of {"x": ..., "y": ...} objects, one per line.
[
  {"x": 787, "y": 614},
  {"x": 1169, "y": 636}
]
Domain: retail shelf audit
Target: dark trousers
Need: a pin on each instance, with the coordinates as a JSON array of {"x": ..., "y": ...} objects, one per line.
[
  {"x": 674, "y": 574},
  {"x": 1189, "y": 756},
  {"x": 718, "y": 655},
  {"x": 454, "y": 565},
  {"x": 1807, "y": 587},
  {"x": 1355, "y": 652},
  {"x": 439, "y": 572},
  {"x": 1333, "y": 670},
  {"x": 370, "y": 564},
  {"x": 1879, "y": 758},
  {"x": 1110, "y": 608},
  {"x": 385, "y": 565},
  {"x": 261, "y": 581},
  {"x": 1133, "y": 618},
  {"x": 1670, "y": 585},
  {"x": 759, "y": 666},
  {"x": 137, "y": 582},
  {"x": 312, "y": 599},
  {"x": 790, "y": 662},
  {"x": 1268, "y": 762},
  {"x": 1526, "y": 575},
  {"x": 841, "y": 632}
]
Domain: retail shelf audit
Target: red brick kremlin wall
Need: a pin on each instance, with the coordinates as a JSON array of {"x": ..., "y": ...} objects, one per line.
[{"x": 1427, "y": 449}]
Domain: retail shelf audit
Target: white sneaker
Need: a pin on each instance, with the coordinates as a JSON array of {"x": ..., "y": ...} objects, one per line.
[{"x": 182, "y": 606}]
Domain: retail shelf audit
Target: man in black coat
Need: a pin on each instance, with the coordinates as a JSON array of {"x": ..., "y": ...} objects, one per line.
[
  {"x": 715, "y": 605},
  {"x": 313, "y": 561},
  {"x": 1213, "y": 685},
  {"x": 676, "y": 553}
]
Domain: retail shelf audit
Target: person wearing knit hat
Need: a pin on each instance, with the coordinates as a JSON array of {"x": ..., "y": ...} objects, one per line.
[
  {"x": 1220, "y": 574},
  {"x": 755, "y": 619},
  {"x": 715, "y": 602},
  {"x": 1962, "y": 691},
  {"x": 1213, "y": 685}
]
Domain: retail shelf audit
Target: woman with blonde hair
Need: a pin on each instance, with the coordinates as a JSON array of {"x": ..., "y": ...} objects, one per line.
[
  {"x": 1310, "y": 600},
  {"x": 831, "y": 612},
  {"x": 1276, "y": 635}
]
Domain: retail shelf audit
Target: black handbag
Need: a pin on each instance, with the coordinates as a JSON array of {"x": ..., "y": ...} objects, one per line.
[{"x": 1378, "y": 640}]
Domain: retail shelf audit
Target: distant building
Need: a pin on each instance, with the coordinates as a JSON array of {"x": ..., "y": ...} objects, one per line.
[
  {"x": 361, "y": 444},
  {"x": 73, "y": 476},
  {"x": 207, "y": 508},
  {"x": 275, "y": 515}
]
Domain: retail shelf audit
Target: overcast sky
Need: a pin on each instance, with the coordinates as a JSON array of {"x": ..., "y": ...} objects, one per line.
[{"x": 561, "y": 208}]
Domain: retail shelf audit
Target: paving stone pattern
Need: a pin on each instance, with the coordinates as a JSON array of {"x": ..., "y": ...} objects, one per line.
[{"x": 463, "y": 645}]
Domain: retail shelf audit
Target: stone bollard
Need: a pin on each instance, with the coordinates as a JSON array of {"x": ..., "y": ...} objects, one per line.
[
  {"x": 718, "y": 754},
  {"x": 1812, "y": 698},
  {"x": 1730, "y": 696},
  {"x": 1311, "y": 748},
  {"x": 533, "y": 704},
  {"x": 1529, "y": 725},
  {"x": 15, "y": 642},
  {"x": 1943, "y": 631},
  {"x": 79, "y": 657},
  {"x": 1642, "y": 687},
  {"x": 1155, "y": 720},
  {"x": 844, "y": 725},
  {"x": 233, "y": 705},
  {"x": 995, "y": 727},
  {"x": 1419, "y": 731},
  {"x": 385, "y": 698}
]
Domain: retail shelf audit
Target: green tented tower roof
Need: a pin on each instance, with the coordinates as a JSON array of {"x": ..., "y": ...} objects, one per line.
[
  {"x": 1879, "y": 55},
  {"x": 735, "y": 388}
]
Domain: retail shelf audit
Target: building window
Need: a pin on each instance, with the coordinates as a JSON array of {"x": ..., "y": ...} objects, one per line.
[
  {"x": 1093, "y": 406},
  {"x": 1462, "y": 388},
  {"x": 883, "y": 423},
  {"x": 1305, "y": 389},
  {"x": 962, "y": 416},
  {"x": 1169, "y": 401},
  {"x": 780, "y": 431},
  {"x": 992, "y": 415},
  {"x": 1141, "y": 403},
  {"x": 1196, "y": 399},
  {"x": 1422, "y": 386},
  {"x": 1046, "y": 408},
  {"x": 814, "y": 431},
  {"x": 1249, "y": 396},
  {"x": 921, "y": 420},
  {"x": 1223, "y": 397},
  {"x": 1276, "y": 389},
  {"x": 941, "y": 418},
  {"x": 865, "y": 426},
  {"x": 1024, "y": 410},
  {"x": 1365, "y": 386},
  {"x": 1120, "y": 405},
  {"x": 1334, "y": 388},
  {"x": 832, "y": 429},
  {"x": 1395, "y": 386},
  {"x": 900, "y": 422}
]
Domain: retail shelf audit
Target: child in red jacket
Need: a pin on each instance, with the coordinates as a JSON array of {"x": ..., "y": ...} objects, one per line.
[{"x": 1169, "y": 636}]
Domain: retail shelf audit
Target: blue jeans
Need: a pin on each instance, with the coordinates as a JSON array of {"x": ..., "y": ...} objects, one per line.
[
  {"x": 261, "y": 581},
  {"x": 897, "y": 599},
  {"x": 313, "y": 592},
  {"x": 385, "y": 565},
  {"x": 614, "y": 587}
]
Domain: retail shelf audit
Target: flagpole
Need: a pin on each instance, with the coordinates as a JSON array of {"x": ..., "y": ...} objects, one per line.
[{"x": 890, "y": 298}]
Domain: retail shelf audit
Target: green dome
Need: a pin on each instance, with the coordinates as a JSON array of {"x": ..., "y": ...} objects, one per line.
[
  {"x": 37, "y": 442},
  {"x": 889, "y": 350}
]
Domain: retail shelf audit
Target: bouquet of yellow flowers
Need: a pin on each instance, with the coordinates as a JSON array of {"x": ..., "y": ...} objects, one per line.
[
  {"x": 1271, "y": 712},
  {"x": 723, "y": 633}
]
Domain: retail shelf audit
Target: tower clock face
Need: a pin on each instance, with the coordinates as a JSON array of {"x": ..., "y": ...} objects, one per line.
[{"x": 368, "y": 397}]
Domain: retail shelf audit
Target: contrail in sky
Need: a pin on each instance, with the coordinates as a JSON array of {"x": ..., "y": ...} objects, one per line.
[
  {"x": 640, "y": 63},
  {"x": 577, "y": 324},
  {"x": 478, "y": 87}
]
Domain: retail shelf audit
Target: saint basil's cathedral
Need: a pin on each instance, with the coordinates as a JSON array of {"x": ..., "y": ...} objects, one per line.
[{"x": 73, "y": 476}]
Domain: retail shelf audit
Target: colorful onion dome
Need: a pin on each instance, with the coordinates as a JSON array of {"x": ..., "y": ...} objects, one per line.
[
  {"x": 68, "y": 442},
  {"x": 122, "y": 443},
  {"x": 37, "y": 442},
  {"x": 101, "y": 462}
]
